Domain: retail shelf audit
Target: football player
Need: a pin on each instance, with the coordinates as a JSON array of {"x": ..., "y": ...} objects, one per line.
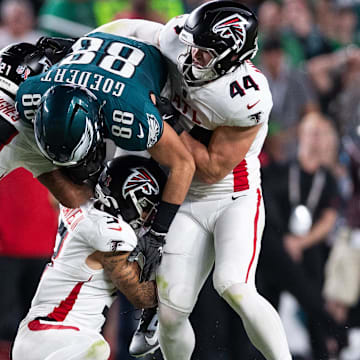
[
  {"x": 106, "y": 88},
  {"x": 90, "y": 262},
  {"x": 18, "y": 147},
  {"x": 224, "y": 101}
]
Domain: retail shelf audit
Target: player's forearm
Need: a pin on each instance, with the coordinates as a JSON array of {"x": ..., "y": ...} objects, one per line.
[
  {"x": 172, "y": 153},
  {"x": 126, "y": 276},
  {"x": 64, "y": 190},
  {"x": 178, "y": 183},
  {"x": 208, "y": 168},
  {"x": 141, "y": 295},
  {"x": 141, "y": 29}
]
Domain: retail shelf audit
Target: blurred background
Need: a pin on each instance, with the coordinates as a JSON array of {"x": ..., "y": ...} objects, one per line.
[{"x": 309, "y": 267}]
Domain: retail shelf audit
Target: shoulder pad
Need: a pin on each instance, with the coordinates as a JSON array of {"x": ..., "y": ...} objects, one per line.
[
  {"x": 113, "y": 234},
  {"x": 172, "y": 29}
]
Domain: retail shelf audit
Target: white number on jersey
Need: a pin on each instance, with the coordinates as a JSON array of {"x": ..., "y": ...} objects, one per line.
[{"x": 119, "y": 59}]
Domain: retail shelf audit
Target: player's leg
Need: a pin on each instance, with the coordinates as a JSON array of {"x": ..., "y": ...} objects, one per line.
[
  {"x": 84, "y": 350},
  {"x": 145, "y": 339},
  {"x": 237, "y": 244},
  {"x": 58, "y": 344},
  {"x": 187, "y": 261}
]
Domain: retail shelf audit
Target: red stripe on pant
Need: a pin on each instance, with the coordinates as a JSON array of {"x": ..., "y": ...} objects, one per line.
[
  {"x": 35, "y": 325},
  {"x": 255, "y": 232}
]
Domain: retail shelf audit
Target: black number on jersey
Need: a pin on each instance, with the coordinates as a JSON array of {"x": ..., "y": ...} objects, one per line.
[
  {"x": 247, "y": 83},
  {"x": 111, "y": 220}
]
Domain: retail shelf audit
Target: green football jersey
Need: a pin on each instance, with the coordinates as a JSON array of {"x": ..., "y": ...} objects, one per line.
[{"x": 121, "y": 73}]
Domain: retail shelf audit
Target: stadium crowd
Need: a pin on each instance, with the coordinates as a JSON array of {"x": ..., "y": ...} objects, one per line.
[{"x": 308, "y": 50}]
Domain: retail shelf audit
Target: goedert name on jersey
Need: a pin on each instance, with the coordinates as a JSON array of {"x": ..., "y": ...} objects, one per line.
[{"x": 120, "y": 72}]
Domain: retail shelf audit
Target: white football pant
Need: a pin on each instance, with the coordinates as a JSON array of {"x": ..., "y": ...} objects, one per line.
[
  {"x": 226, "y": 232},
  {"x": 58, "y": 343}
]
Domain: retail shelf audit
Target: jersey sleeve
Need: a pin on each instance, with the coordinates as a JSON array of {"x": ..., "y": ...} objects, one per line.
[
  {"x": 112, "y": 234},
  {"x": 144, "y": 125},
  {"x": 247, "y": 101},
  {"x": 28, "y": 154},
  {"x": 18, "y": 147},
  {"x": 155, "y": 126},
  {"x": 169, "y": 37},
  {"x": 28, "y": 99}
]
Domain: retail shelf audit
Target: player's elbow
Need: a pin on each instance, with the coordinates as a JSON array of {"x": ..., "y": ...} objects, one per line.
[{"x": 188, "y": 164}]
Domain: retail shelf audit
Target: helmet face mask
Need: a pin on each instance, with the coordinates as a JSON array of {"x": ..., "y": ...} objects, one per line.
[
  {"x": 68, "y": 128},
  {"x": 131, "y": 186},
  {"x": 18, "y": 62},
  {"x": 225, "y": 29}
]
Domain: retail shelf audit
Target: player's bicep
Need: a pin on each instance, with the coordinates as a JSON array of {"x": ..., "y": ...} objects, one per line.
[{"x": 125, "y": 276}]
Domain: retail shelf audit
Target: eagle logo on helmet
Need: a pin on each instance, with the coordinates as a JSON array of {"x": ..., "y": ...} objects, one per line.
[
  {"x": 232, "y": 27},
  {"x": 140, "y": 179}
]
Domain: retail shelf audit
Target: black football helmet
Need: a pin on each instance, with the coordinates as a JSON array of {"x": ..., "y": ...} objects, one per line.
[
  {"x": 226, "y": 30},
  {"x": 17, "y": 63},
  {"x": 132, "y": 187}
]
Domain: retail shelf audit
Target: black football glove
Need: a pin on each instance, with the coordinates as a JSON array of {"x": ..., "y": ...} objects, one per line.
[
  {"x": 151, "y": 246},
  {"x": 169, "y": 113},
  {"x": 55, "y": 48}
]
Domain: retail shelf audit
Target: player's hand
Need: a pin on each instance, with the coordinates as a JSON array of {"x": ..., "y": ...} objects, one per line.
[
  {"x": 151, "y": 246},
  {"x": 169, "y": 113},
  {"x": 55, "y": 48}
]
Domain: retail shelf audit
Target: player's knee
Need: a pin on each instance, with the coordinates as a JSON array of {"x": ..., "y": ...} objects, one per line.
[
  {"x": 240, "y": 295},
  {"x": 98, "y": 350},
  {"x": 224, "y": 278},
  {"x": 178, "y": 296},
  {"x": 170, "y": 318}
]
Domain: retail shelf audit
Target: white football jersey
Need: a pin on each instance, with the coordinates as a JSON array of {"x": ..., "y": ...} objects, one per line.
[
  {"x": 240, "y": 98},
  {"x": 69, "y": 290},
  {"x": 18, "y": 147}
]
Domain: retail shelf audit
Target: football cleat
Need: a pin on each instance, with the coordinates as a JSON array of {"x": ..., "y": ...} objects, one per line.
[{"x": 145, "y": 339}]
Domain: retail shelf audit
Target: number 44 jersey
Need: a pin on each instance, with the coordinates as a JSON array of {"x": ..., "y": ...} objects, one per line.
[
  {"x": 240, "y": 98},
  {"x": 121, "y": 73}
]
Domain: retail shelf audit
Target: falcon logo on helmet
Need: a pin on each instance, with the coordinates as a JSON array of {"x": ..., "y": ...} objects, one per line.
[
  {"x": 232, "y": 27},
  {"x": 140, "y": 178}
]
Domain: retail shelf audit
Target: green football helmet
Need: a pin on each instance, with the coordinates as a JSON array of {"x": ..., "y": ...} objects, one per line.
[{"x": 68, "y": 128}]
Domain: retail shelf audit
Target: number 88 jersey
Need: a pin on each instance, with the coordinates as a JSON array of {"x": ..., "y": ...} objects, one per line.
[{"x": 121, "y": 73}]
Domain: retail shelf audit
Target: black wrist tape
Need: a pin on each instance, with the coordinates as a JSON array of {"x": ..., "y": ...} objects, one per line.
[
  {"x": 164, "y": 216},
  {"x": 178, "y": 127}
]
